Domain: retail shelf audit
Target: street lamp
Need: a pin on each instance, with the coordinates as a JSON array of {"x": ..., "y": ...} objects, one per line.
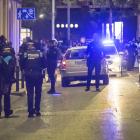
[
  {"x": 58, "y": 25},
  {"x": 71, "y": 25},
  {"x": 66, "y": 25},
  {"x": 62, "y": 25},
  {"x": 41, "y": 15},
  {"x": 76, "y": 25}
]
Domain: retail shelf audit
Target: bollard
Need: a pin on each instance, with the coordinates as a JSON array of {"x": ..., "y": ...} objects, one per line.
[
  {"x": 139, "y": 66},
  {"x": 44, "y": 73},
  {"x": 121, "y": 68},
  {"x": 22, "y": 79},
  {"x": 17, "y": 78}
]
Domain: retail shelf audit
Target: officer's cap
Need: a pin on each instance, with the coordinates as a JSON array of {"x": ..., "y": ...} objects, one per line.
[{"x": 54, "y": 40}]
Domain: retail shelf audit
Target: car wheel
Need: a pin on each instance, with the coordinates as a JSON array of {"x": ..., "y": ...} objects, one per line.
[
  {"x": 64, "y": 82},
  {"x": 106, "y": 80}
]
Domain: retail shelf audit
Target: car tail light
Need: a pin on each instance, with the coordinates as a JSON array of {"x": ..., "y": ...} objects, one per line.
[{"x": 64, "y": 63}]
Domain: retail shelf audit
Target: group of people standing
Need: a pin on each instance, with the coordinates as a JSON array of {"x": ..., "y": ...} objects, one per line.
[
  {"x": 32, "y": 61},
  {"x": 35, "y": 57},
  {"x": 131, "y": 51}
]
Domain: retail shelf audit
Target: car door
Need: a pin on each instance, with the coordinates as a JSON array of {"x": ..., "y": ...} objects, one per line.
[{"x": 75, "y": 62}]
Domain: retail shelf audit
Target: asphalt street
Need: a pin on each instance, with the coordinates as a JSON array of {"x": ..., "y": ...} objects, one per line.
[{"x": 73, "y": 114}]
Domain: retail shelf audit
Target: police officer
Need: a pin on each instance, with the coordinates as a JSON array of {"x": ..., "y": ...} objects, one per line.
[
  {"x": 132, "y": 52},
  {"x": 22, "y": 49},
  {"x": 95, "y": 53},
  {"x": 52, "y": 55},
  {"x": 7, "y": 66},
  {"x": 33, "y": 62}
]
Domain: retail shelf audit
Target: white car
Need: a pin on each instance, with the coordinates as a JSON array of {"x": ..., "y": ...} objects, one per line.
[
  {"x": 114, "y": 62},
  {"x": 74, "y": 67}
]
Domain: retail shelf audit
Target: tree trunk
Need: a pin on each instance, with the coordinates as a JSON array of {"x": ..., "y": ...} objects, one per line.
[{"x": 110, "y": 22}]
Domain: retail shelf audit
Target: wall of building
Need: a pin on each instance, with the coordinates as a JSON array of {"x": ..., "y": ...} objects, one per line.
[{"x": 9, "y": 25}]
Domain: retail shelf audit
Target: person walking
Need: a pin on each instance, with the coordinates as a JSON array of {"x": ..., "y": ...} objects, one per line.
[
  {"x": 33, "y": 62},
  {"x": 52, "y": 55},
  {"x": 95, "y": 51},
  {"x": 7, "y": 66}
]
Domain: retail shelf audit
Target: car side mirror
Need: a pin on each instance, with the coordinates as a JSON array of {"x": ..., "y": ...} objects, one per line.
[
  {"x": 107, "y": 57},
  {"x": 121, "y": 53}
]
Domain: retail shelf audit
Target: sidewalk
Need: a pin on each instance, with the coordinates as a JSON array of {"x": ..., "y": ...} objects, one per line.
[{"x": 134, "y": 73}]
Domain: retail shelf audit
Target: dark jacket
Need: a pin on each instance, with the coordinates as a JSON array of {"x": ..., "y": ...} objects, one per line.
[
  {"x": 52, "y": 57},
  {"x": 23, "y": 48},
  {"x": 7, "y": 66},
  {"x": 33, "y": 62},
  {"x": 95, "y": 52}
]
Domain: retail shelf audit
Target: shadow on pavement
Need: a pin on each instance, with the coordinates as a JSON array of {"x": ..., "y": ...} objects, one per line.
[
  {"x": 32, "y": 125},
  {"x": 17, "y": 94},
  {"x": 10, "y": 117},
  {"x": 81, "y": 85}
]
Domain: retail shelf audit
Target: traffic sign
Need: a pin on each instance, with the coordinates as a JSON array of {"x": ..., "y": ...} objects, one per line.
[{"x": 26, "y": 13}]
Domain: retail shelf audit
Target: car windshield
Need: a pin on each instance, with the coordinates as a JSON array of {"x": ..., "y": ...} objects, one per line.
[
  {"x": 75, "y": 54},
  {"x": 110, "y": 50}
]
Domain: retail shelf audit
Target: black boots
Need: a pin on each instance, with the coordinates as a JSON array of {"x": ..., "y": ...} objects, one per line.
[
  {"x": 31, "y": 113},
  {"x": 97, "y": 89},
  {"x": 37, "y": 113},
  {"x": 87, "y": 89},
  {"x": 8, "y": 113},
  {"x": 51, "y": 91}
]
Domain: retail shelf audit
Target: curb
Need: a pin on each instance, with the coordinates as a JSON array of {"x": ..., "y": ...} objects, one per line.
[{"x": 18, "y": 93}]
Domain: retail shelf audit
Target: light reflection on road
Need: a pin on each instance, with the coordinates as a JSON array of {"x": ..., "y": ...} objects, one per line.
[{"x": 112, "y": 125}]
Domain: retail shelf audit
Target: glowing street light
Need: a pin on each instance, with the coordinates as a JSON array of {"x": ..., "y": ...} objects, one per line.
[
  {"x": 62, "y": 25},
  {"x": 71, "y": 25},
  {"x": 41, "y": 15},
  {"x": 76, "y": 25},
  {"x": 66, "y": 25},
  {"x": 58, "y": 25}
]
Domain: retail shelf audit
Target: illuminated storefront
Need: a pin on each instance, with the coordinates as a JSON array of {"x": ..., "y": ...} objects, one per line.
[
  {"x": 117, "y": 31},
  {"x": 25, "y": 33}
]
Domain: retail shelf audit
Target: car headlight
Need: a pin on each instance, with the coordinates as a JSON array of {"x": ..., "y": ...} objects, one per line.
[{"x": 117, "y": 59}]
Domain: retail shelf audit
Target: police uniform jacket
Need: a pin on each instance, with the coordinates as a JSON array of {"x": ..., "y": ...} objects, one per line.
[
  {"x": 7, "y": 66},
  {"x": 52, "y": 56},
  {"x": 33, "y": 62},
  {"x": 95, "y": 52}
]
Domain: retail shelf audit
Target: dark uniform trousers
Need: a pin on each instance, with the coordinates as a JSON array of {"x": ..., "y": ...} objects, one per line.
[
  {"x": 32, "y": 82},
  {"x": 97, "y": 67},
  {"x": 131, "y": 62},
  {"x": 51, "y": 72},
  {"x": 7, "y": 105}
]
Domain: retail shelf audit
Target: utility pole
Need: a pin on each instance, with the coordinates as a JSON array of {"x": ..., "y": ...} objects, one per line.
[
  {"x": 53, "y": 19},
  {"x": 138, "y": 23},
  {"x": 68, "y": 20}
]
